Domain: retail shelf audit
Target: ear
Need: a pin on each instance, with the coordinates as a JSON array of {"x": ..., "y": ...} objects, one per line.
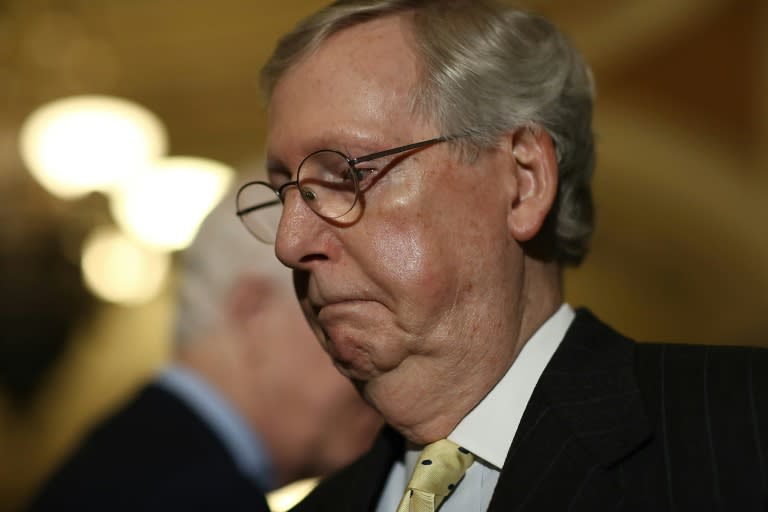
[
  {"x": 247, "y": 299},
  {"x": 534, "y": 184}
]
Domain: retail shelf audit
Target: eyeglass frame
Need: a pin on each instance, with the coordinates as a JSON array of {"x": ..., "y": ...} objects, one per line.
[{"x": 352, "y": 162}]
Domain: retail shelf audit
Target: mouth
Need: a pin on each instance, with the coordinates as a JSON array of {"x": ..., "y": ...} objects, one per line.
[
  {"x": 341, "y": 325},
  {"x": 331, "y": 311}
]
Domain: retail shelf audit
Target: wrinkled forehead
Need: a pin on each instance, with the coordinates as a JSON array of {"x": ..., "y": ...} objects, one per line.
[
  {"x": 382, "y": 46},
  {"x": 362, "y": 77}
]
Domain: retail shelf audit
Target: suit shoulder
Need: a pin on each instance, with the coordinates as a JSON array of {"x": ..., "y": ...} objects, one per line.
[
  {"x": 725, "y": 384},
  {"x": 659, "y": 358}
]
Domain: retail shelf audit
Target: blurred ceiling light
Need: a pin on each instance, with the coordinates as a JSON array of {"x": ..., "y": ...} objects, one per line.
[
  {"x": 164, "y": 206},
  {"x": 117, "y": 269},
  {"x": 76, "y": 145}
]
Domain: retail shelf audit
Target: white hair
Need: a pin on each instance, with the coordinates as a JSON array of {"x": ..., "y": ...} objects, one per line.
[
  {"x": 488, "y": 69},
  {"x": 223, "y": 252}
]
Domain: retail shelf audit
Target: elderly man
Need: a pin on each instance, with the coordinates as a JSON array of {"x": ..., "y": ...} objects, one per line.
[
  {"x": 250, "y": 402},
  {"x": 432, "y": 161}
]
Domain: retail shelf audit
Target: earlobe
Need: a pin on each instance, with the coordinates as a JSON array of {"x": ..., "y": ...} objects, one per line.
[{"x": 535, "y": 174}]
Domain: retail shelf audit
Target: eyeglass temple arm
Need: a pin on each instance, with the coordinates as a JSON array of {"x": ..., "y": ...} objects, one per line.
[
  {"x": 401, "y": 149},
  {"x": 259, "y": 206}
]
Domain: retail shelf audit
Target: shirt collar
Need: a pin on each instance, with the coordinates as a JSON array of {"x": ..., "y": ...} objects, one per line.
[
  {"x": 243, "y": 444},
  {"x": 488, "y": 430}
]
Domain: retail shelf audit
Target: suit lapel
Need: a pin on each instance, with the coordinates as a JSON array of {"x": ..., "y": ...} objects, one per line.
[
  {"x": 357, "y": 487},
  {"x": 584, "y": 416},
  {"x": 374, "y": 469}
]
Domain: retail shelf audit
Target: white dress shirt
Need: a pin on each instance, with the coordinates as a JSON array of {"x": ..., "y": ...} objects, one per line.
[{"x": 487, "y": 431}]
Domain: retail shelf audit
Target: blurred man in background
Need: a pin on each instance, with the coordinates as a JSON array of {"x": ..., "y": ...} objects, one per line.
[{"x": 250, "y": 402}]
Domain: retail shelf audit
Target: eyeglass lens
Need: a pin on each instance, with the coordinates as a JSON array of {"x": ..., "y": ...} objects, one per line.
[
  {"x": 326, "y": 183},
  {"x": 260, "y": 209}
]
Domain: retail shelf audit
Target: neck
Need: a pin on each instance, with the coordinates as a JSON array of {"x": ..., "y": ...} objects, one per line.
[
  {"x": 539, "y": 297},
  {"x": 543, "y": 295}
]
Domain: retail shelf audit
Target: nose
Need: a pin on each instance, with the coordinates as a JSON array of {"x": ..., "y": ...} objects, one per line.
[{"x": 302, "y": 237}]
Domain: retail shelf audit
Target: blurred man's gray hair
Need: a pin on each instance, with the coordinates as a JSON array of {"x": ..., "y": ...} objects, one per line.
[{"x": 220, "y": 254}]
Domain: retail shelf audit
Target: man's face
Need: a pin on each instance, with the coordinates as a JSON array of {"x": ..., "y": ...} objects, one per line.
[{"x": 409, "y": 293}]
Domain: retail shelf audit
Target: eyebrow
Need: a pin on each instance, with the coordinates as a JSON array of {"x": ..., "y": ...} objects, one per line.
[
  {"x": 276, "y": 166},
  {"x": 351, "y": 144},
  {"x": 341, "y": 140}
]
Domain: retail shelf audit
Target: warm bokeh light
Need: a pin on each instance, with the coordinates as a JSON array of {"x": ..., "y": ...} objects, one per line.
[
  {"x": 76, "y": 145},
  {"x": 119, "y": 270},
  {"x": 164, "y": 206},
  {"x": 282, "y": 499}
]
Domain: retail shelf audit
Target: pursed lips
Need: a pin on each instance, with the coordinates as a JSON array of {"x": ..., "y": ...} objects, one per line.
[
  {"x": 320, "y": 301},
  {"x": 330, "y": 317},
  {"x": 334, "y": 307}
]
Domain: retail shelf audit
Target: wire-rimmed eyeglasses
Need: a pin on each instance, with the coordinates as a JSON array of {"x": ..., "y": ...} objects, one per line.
[{"x": 328, "y": 182}]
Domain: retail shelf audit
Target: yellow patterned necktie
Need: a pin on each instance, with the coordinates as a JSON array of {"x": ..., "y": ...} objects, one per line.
[{"x": 439, "y": 469}]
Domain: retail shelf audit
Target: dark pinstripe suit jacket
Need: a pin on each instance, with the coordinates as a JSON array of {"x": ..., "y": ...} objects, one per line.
[{"x": 615, "y": 425}]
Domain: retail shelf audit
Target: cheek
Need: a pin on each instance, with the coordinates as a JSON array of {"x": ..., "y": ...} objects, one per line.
[
  {"x": 424, "y": 250},
  {"x": 401, "y": 227},
  {"x": 402, "y": 252},
  {"x": 414, "y": 263}
]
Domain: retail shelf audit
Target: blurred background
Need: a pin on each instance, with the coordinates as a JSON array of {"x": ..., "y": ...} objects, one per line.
[{"x": 164, "y": 95}]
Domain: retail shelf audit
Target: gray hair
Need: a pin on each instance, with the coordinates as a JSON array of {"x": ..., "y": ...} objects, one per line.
[
  {"x": 488, "y": 69},
  {"x": 222, "y": 253}
]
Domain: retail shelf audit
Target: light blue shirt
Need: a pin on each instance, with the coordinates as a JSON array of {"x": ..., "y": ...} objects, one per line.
[{"x": 243, "y": 444}]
